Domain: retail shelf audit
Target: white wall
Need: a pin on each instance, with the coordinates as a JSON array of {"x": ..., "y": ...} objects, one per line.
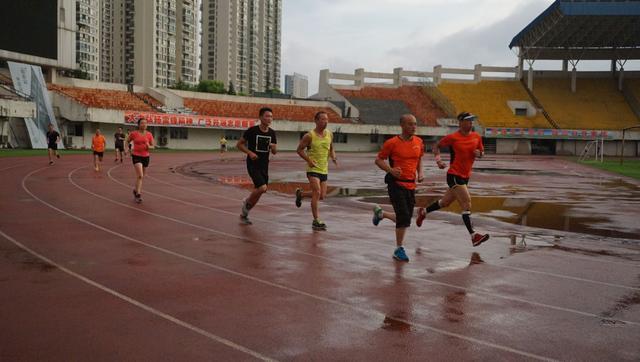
[{"x": 513, "y": 146}]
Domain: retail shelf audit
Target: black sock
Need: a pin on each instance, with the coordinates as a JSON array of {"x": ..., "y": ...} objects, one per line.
[
  {"x": 466, "y": 217},
  {"x": 433, "y": 207}
]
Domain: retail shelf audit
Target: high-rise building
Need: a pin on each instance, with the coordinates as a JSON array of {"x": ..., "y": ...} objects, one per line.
[
  {"x": 88, "y": 37},
  {"x": 241, "y": 43},
  {"x": 296, "y": 85},
  {"x": 151, "y": 43}
]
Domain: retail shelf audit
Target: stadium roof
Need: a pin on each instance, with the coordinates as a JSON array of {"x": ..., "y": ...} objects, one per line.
[{"x": 595, "y": 30}]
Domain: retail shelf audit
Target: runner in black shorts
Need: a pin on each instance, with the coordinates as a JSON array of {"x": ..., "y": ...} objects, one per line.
[
  {"x": 53, "y": 137},
  {"x": 142, "y": 141},
  {"x": 257, "y": 142},
  {"x": 119, "y": 138}
]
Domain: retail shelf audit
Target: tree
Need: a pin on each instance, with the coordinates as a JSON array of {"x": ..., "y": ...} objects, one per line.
[
  {"x": 274, "y": 91},
  {"x": 232, "y": 90},
  {"x": 211, "y": 86}
]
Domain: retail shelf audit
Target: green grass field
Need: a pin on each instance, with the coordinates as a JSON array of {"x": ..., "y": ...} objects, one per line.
[{"x": 630, "y": 167}]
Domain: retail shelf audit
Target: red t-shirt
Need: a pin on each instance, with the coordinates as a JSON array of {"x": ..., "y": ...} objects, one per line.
[
  {"x": 462, "y": 152},
  {"x": 404, "y": 154},
  {"x": 140, "y": 143}
]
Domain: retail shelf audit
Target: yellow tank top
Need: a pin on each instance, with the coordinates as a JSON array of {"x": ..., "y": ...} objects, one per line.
[{"x": 318, "y": 151}]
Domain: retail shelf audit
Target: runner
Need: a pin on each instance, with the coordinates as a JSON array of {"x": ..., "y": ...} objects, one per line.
[
  {"x": 97, "y": 145},
  {"x": 405, "y": 161},
  {"x": 319, "y": 146},
  {"x": 53, "y": 137},
  {"x": 119, "y": 138},
  {"x": 257, "y": 142},
  {"x": 223, "y": 147},
  {"x": 142, "y": 141},
  {"x": 465, "y": 145}
]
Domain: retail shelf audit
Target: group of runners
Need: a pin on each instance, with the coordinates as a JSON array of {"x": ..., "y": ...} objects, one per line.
[{"x": 400, "y": 157}]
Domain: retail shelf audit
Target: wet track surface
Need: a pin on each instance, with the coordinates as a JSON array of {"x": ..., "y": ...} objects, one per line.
[{"x": 89, "y": 274}]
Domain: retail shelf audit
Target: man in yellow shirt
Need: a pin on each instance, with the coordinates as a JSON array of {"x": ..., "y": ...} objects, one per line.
[
  {"x": 315, "y": 148},
  {"x": 98, "y": 143}
]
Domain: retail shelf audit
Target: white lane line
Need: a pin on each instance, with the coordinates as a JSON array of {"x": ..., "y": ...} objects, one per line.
[
  {"x": 139, "y": 304},
  {"x": 479, "y": 291},
  {"x": 13, "y": 166},
  {"x": 450, "y": 256},
  {"x": 366, "y": 311}
]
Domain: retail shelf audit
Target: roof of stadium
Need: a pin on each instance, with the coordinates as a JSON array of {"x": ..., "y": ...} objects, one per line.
[{"x": 584, "y": 30}]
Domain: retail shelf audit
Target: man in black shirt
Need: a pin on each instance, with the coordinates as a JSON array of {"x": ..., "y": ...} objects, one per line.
[
  {"x": 257, "y": 142},
  {"x": 119, "y": 143},
  {"x": 53, "y": 137}
]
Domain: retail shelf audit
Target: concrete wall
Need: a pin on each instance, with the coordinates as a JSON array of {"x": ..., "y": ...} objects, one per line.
[
  {"x": 17, "y": 108},
  {"x": 511, "y": 146}
]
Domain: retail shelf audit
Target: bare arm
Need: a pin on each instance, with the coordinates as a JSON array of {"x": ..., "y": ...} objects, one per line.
[
  {"x": 332, "y": 154},
  {"x": 420, "y": 170},
  {"x": 382, "y": 164},
  {"x": 302, "y": 146},
  {"x": 436, "y": 154},
  {"x": 242, "y": 146}
]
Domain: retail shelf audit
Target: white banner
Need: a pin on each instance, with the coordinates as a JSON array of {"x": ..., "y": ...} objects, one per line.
[{"x": 28, "y": 80}]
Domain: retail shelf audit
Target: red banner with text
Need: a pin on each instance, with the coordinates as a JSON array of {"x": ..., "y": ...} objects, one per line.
[{"x": 188, "y": 120}]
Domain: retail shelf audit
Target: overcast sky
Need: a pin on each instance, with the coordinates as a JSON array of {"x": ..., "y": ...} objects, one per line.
[{"x": 380, "y": 35}]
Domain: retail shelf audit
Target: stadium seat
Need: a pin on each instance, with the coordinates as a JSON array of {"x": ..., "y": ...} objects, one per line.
[
  {"x": 414, "y": 98},
  {"x": 596, "y": 104},
  {"x": 488, "y": 100}
]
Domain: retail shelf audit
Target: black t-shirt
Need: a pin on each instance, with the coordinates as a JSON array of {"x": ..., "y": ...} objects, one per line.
[
  {"x": 119, "y": 137},
  {"x": 52, "y": 137},
  {"x": 258, "y": 142}
]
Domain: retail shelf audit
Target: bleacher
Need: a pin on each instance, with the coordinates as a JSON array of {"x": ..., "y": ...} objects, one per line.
[
  {"x": 250, "y": 110},
  {"x": 596, "y": 104},
  {"x": 488, "y": 99},
  {"x": 103, "y": 98},
  {"x": 414, "y": 98},
  {"x": 374, "y": 111}
]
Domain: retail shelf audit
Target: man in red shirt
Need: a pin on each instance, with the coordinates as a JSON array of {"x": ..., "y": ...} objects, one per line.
[
  {"x": 465, "y": 145},
  {"x": 405, "y": 161}
]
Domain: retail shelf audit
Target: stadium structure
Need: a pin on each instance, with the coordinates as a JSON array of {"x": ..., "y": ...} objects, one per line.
[{"x": 521, "y": 111}]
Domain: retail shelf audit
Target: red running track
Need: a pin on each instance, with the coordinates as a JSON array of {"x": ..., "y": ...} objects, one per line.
[{"x": 88, "y": 274}]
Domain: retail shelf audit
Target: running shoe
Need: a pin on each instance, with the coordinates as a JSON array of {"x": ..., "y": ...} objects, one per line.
[
  {"x": 298, "y": 197},
  {"x": 377, "y": 215},
  {"x": 58, "y": 156},
  {"x": 245, "y": 210},
  {"x": 477, "y": 238},
  {"x": 245, "y": 220},
  {"x": 422, "y": 214},
  {"x": 50, "y": 163},
  {"x": 400, "y": 255},
  {"x": 137, "y": 197},
  {"x": 318, "y": 225}
]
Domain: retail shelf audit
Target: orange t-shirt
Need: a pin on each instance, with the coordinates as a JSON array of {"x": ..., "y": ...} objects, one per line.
[
  {"x": 462, "y": 152},
  {"x": 98, "y": 143},
  {"x": 403, "y": 154}
]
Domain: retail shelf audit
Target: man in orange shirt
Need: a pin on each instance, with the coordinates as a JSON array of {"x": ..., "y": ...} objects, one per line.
[
  {"x": 405, "y": 161},
  {"x": 466, "y": 145},
  {"x": 98, "y": 143}
]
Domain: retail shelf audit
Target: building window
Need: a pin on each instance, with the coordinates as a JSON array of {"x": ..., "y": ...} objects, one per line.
[
  {"x": 521, "y": 112},
  {"x": 232, "y": 134},
  {"x": 340, "y": 137},
  {"x": 75, "y": 129},
  {"x": 178, "y": 133}
]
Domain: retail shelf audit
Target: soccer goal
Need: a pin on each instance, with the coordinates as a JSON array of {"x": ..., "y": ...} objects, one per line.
[{"x": 593, "y": 150}]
